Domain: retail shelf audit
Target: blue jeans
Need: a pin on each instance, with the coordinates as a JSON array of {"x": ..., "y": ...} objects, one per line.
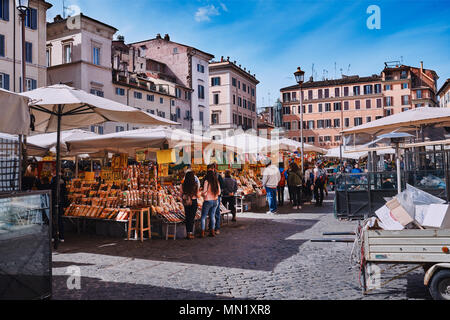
[
  {"x": 272, "y": 198},
  {"x": 209, "y": 209},
  {"x": 219, "y": 201}
]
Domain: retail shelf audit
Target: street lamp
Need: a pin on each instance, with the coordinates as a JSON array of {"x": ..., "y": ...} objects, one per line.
[
  {"x": 22, "y": 6},
  {"x": 300, "y": 78}
]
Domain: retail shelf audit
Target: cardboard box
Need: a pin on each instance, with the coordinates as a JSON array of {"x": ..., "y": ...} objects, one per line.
[
  {"x": 387, "y": 221},
  {"x": 399, "y": 213},
  {"x": 437, "y": 216}
]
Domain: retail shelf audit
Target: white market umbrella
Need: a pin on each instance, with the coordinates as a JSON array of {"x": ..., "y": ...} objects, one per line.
[
  {"x": 286, "y": 144},
  {"x": 245, "y": 143},
  {"x": 346, "y": 154},
  {"x": 15, "y": 114},
  {"x": 60, "y": 107}
]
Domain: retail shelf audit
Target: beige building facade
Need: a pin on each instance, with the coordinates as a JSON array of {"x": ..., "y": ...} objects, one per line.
[
  {"x": 11, "y": 45},
  {"x": 444, "y": 94},
  {"x": 232, "y": 96}
]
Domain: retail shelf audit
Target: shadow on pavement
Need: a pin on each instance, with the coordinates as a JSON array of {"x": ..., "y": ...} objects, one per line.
[{"x": 97, "y": 289}]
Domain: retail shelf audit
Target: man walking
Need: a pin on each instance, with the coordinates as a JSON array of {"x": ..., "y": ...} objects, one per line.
[
  {"x": 271, "y": 178},
  {"x": 319, "y": 182},
  {"x": 228, "y": 193}
]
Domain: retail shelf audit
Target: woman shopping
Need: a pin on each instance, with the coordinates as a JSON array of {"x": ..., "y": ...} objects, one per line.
[
  {"x": 190, "y": 192},
  {"x": 295, "y": 183},
  {"x": 211, "y": 192}
]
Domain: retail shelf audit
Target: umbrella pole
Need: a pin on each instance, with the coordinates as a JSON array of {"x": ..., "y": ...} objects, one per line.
[
  {"x": 58, "y": 176},
  {"x": 399, "y": 177}
]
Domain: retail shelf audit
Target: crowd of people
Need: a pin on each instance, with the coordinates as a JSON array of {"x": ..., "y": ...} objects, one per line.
[{"x": 301, "y": 185}]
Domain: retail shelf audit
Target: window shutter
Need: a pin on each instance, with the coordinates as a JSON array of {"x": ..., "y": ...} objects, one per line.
[
  {"x": 20, "y": 84},
  {"x": 6, "y": 10},
  {"x": 33, "y": 84},
  {"x": 2, "y": 45},
  {"x": 6, "y": 81},
  {"x": 33, "y": 19}
]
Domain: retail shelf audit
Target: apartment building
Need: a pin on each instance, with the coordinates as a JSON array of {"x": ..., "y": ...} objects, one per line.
[
  {"x": 407, "y": 87},
  {"x": 444, "y": 94},
  {"x": 127, "y": 61},
  {"x": 189, "y": 67},
  {"x": 11, "y": 45},
  {"x": 329, "y": 106},
  {"x": 81, "y": 53},
  {"x": 232, "y": 96}
]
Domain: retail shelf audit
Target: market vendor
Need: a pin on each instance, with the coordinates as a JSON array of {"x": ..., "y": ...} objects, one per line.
[{"x": 228, "y": 193}]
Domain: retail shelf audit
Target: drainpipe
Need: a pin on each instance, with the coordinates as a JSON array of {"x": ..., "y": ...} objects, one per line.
[{"x": 14, "y": 50}]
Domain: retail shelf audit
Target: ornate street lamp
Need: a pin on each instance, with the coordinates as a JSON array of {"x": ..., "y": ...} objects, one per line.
[
  {"x": 22, "y": 6},
  {"x": 300, "y": 78}
]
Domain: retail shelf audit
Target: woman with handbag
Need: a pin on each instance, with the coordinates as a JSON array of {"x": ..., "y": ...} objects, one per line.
[
  {"x": 211, "y": 192},
  {"x": 190, "y": 192}
]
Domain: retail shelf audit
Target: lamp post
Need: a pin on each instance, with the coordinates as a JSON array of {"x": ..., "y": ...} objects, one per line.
[
  {"x": 300, "y": 77},
  {"x": 22, "y": 6}
]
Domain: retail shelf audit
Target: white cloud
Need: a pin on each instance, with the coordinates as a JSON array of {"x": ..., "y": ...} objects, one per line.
[
  {"x": 205, "y": 13},
  {"x": 224, "y": 7}
]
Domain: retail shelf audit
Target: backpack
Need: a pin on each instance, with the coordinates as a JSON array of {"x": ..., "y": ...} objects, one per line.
[
  {"x": 322, "y": 175},
  {"x": 282, "y": 182}
]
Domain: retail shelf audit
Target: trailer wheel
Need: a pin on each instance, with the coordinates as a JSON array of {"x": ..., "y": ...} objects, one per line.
[{"x": 440, "y": 285}]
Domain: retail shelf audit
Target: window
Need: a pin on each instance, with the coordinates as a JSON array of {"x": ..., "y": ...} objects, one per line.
[
  {"x": 97, "y": 129},
  {"x": 347, "y": 122},
  {"x": 286, "y": 97},
  {"x": 379, "y": 103},
  {"x": 201, "y": 92},
  {"x": 320, "y": 93},
  {"x": 215, "y": 118},
  {"x": 320, "y": 107},
  {"x": 137, "y": 95},
  {"x": 239, "y": 101},
  {"x": 48, "y": 57},
  {"x": 29, "y": 52},
  {"x": 233, "y": 82},
  {"x": 253, "y": 92},
  {"x": 357, "y": 104},
  {"x": 336, "y": 92},
  {"x": 327, "y": 107},
  {"x": 337, "y": 123},
  {"x": 311, "y": 139},
  {"x": 419, "y": 94},
  {"x": 161, "y": 114},
  {"x": 404, "y": 74},
  {"x": 30, "y": 84},
  {"x": 378, "y": 117},
  {"x": 31, "y": 19},
  {"x": 405, "y": 109},
  {"x": 388, "y": 101},
  {"x": 178, "y": 113},
  {"x": 4, "y": 10},
  {"x": 387, "y": 87},
  {"x": 294, "y": 125},
  {"x": 175, "y": 50},
  {"x": 356, "y": 91},
  {"x": 368, "y": 104},
  {"x": 310, "y": 108},
  {"x": 234, "y": 99},
  {"x": 178, "y": 93},
  {"x": 200, "y": 68},
  {"x": 201, "y": 116},
  {"x": 368, "y": 89},
  {"x": 310, "y": 94},
  {"x": 328, "y": 123},
  {"x": 172, "y": 102},
  {"x": 345, "y": 91},
  {"x": 4, "y": 81},
  {"x": 120, "y": 91},
  {"x": 2, "y": 45},
  {"x": 389, "y": 112},
  {"x": 405, "y": 100},
  {"x": 97, "y": 92},
  {"x": 67, "y": 51},
  {"x": 215, "y": 81},
  {"x": 368, "y": 119},
  {"x": 120, "y": 128},
  {"x": 337, "y": 106},
  {"x": 216, "y": 98},
  {"x": 320, "y": 124},
  {"x": 346, "y": 105},
  {"x": 327, "y": 93},
  {"x": 327, "y": 138},
  {"x": 187, "y": 95},
  {"x": 358, "y": 121},
  {"x": 405, "y": 85},
  {"x": 150, "y": 97},
  {"x": 161, "y": 100},
  {"x": 244, "y": 87},
  {"x": 96, "y": 56},
  {"x": 310, "y": 125},
  {"x": 378, "y": 88},
  {"x": 239, "y": 84}
]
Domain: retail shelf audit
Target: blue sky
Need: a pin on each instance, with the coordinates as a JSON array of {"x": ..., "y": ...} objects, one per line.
[{"x": 272, "y": 37}]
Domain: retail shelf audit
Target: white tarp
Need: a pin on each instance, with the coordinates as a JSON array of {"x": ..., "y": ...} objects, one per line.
[
  {"x": 246, "y": 143},
  {"x": 81, "y": 109},
  {"x": 286, "y": 144},
  {"x": 15, "y": 114},
  {"x": 48, "y": 140}
]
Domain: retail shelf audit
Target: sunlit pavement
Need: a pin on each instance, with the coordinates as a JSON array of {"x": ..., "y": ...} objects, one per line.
[{"x": 258, "y": 257}]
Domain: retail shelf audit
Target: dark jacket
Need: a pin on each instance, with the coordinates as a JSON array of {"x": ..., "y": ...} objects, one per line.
[
  {"x": 229, "y": 186},
  {"x": 295, "y": 178}
]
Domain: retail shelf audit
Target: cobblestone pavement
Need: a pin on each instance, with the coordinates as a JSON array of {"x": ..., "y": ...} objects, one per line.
[{"x": 259, "y": 257}]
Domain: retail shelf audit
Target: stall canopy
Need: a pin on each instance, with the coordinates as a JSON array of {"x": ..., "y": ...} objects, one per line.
[
  {"x": 246, "y": 143},
  {"x": 15, "y": 113},
  {"x": 404, "y": 121},
  {"x": 129, "y": 141},
  {"x": 336, "y": 153},
  {"x": 32, "y": 149},
  {"x": 47, "y": 141},
  {"x": 286, "y": 144}
]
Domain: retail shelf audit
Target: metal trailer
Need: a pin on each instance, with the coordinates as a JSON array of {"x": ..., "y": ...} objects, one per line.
[{"x": 428, "y": 248}]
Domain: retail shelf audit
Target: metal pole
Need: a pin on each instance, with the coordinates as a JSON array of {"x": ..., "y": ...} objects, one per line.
[
  {"x": 58, "y": 175},
  {"x": 301, "y": 130},
  {"x": 20, "y": 162},
  {"x": 23, "y": 16},
  {"x": 399, "y": 178},
  {"x": 76, "y": 166}
]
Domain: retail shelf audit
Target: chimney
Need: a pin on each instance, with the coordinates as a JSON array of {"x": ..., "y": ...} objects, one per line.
[
  {"x": 221, "y": 59},
  {"x": 166, "y": 37},
  {"x": 228, "y": 58},
  {"x": 120, "y": 38},
  {"x": 158, "y": 36},
  {"x": 311, "y": 79},
  {"x": 58, "y": 18},
  {"x": 421, "y": 66}
]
